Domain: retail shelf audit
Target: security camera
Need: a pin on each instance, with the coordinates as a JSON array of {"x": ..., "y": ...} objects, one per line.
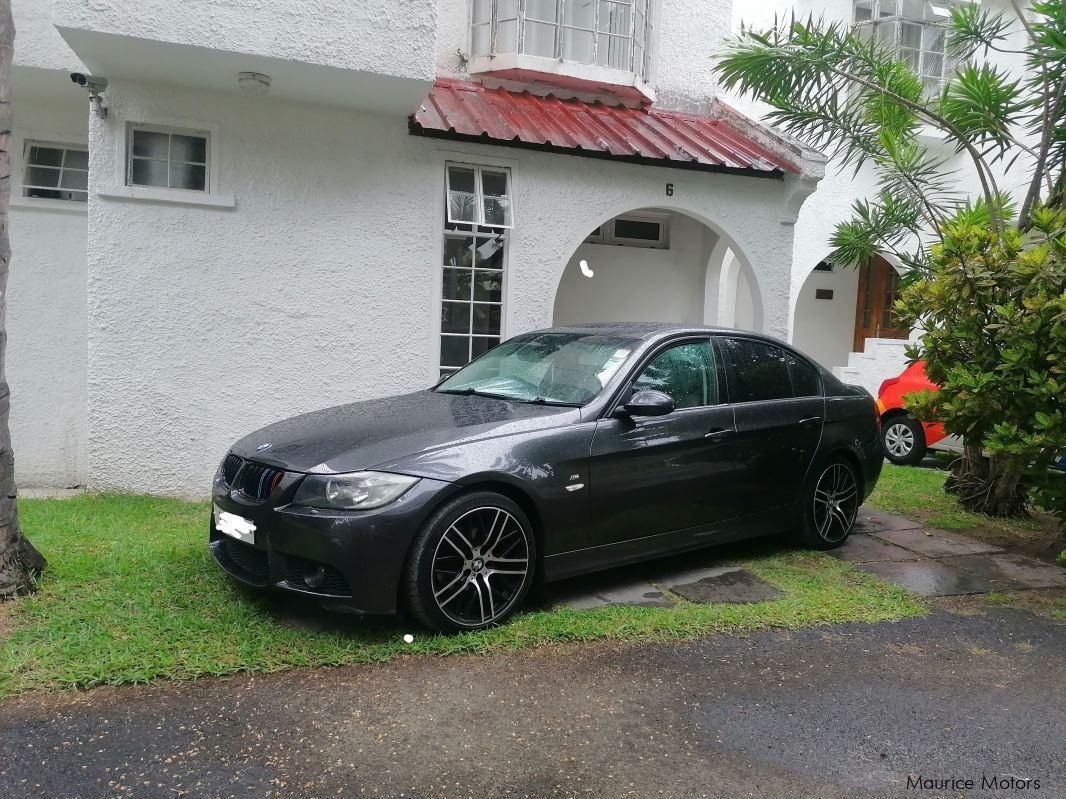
[
  {"x": 90, "y": 83},
  {"x": 94, "y": 86}
]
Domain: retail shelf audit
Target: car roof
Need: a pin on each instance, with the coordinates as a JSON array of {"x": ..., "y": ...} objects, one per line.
[{"x": 646, "y": 330}]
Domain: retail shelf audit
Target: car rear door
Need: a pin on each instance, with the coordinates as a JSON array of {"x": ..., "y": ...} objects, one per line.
[
  {"x": 779, "y": 410},
  {"x": 653, "y": 475}
]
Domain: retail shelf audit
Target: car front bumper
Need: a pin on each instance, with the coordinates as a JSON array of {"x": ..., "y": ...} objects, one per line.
[{"x": 354, "y": 559}]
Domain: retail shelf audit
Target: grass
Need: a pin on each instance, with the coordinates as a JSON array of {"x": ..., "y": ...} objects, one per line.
[
  {"x": 131, "y": 595},
  {"x": 918, "y": 493}
]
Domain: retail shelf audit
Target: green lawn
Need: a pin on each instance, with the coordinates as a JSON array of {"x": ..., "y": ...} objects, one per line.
[
  {"x": 132, "y": 595},
  {"x": 919, "y": 493}
]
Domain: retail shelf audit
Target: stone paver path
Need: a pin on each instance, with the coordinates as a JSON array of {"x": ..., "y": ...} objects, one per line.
[
  {"x": 927, "y": 561},
  {"x": 933, "y": 562}
]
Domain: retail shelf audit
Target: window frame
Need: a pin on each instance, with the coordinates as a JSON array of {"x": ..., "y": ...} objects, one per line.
[
  {"x": 638, "y": 55},
  {"x": 132, "y": 128},
  {"x": 606, "y": 234},
  {"x": 625, "y": 388},
  {"x": 21, "y": 144},
  {"x": 734, "y": 380},
  {"x": 897, "y": 18},
  {"x": 479, "y": 193},
  {"x": 464, "y": 157}
]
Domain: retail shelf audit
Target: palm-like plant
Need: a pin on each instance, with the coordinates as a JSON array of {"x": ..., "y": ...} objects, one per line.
[
  {"x": 846, "y": 93},
  {"x": 843, "y": 91}
]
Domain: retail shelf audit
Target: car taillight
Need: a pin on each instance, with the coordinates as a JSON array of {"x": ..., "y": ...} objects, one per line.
[{"x": 887, "y": 384}]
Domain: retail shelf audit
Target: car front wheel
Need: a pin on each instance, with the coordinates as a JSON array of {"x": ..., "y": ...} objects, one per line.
[
  {"x": 472, "y": 563},
  {"x": 904, "y": 440},
  {"x": 831, "y": 506}
]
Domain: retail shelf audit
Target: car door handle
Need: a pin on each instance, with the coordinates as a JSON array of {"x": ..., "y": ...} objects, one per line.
[
  {"x": 718, "y": 434},
  {"x": 810, "y": 421}
]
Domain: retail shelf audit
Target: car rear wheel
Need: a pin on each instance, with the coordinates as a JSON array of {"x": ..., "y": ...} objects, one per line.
[
  {"x": 472, "y": 563},
  {"x": 904, "y": 440},
  {"x": 831, "y": 506}
]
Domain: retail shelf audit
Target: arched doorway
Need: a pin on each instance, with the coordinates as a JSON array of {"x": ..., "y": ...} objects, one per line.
[
  {"x": 844, "y": 312},
  {"x": 657, "y": 265}
]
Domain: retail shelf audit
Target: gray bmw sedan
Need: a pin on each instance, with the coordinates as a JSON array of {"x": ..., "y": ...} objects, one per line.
[{"x": 558, "y": 452}]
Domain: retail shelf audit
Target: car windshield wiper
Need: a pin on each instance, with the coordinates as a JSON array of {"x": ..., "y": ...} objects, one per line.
[
  {"x": 544, "y": 401},
  {"x": 471, "y": 392}
]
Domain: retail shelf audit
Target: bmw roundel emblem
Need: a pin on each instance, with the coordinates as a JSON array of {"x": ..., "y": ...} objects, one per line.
[{"x": 262, "y": 447}]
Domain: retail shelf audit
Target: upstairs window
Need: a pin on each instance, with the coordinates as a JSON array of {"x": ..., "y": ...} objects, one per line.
[
  {"x": 613, "y": 34},
  {"x": 56, "y": 172},
  {"x": 167, "y": 158},
  {"x": 914, "y": 28}
]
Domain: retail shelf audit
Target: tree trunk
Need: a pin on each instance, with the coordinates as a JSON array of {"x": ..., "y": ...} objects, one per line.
[
  {"x": 992, "y": 486},
  {"x": 19, "y": 561}
]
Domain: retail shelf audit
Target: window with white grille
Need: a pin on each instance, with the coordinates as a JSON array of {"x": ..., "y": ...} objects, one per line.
[
  {"x": 475, "y": 248},
  {"x": 167, "y": 158},
  {"x": 915, "y": 29},
  {"x": 56, "y": 172},
  {"x": 614, "y": 34}
]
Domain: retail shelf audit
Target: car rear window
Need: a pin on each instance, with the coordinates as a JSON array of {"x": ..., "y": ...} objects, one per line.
[{"x": 760, "y": 371}]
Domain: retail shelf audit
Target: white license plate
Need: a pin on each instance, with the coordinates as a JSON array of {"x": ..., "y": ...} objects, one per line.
[{"x": 234, "y": 526}]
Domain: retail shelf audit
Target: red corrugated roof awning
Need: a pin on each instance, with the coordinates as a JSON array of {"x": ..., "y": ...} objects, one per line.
[{"x": 457, "y": 109}]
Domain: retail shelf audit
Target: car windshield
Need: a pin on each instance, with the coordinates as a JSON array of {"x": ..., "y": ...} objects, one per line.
[{"x": 548, "y": 368}]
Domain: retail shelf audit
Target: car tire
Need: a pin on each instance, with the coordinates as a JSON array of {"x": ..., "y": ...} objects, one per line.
[
  {"x": 471, "y": 565},
  {"x": 903, "y": 439},
  {"x": 831, "y": 504}
]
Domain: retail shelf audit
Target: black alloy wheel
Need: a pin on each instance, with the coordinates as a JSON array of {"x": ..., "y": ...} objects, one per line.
[
  {"x": 472, "y": 564},
  {"x": 832, "y": 505}
]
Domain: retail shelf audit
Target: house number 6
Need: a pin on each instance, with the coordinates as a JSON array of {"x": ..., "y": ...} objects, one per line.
[{"x": 669, "y": 189}]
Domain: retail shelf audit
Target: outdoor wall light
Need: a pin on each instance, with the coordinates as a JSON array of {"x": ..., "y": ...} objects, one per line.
[
  {"x": 253, "y": 82},
  {"x": 585, "y": 268}
]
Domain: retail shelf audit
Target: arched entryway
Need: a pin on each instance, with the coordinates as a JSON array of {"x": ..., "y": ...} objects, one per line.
[
  {"x": 844, "y": 320},
  {"x": 657, "y": 265}
]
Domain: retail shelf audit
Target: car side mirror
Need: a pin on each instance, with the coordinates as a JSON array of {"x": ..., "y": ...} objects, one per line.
[{"x": 649, "y": 403}]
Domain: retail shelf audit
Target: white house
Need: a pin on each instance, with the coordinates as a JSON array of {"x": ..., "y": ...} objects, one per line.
[{"x": 275, "y": 207}]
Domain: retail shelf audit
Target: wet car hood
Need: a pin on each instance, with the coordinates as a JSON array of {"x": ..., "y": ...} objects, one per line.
[{"x": 348, "y": 438}]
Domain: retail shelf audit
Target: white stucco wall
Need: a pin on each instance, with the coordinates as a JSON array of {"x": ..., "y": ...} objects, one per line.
[
  {"x": 37, "y": 42},
  {"x": 46, "y": 350},
  {"x": 321, "y": 285},
  {"x": 392, "y": 37},
  {"x": 638, "y": 284}
]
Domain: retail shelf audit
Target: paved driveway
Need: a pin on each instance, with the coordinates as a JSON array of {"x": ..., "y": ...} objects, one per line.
[{"x": 846, "y": 711}]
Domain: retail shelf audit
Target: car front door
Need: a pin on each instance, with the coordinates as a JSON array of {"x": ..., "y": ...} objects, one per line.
[
  {"x": 654, "y": 475},
  {"x": 779, "y": 410}
]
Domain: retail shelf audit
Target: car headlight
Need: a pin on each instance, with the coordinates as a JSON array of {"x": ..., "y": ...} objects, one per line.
[{"x": 353, "y": 491}]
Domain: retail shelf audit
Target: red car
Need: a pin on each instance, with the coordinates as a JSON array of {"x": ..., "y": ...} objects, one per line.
[{"x": 906, "y": 439}]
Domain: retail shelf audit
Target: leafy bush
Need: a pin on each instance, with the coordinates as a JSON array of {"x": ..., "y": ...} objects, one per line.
[{"x": 993, "y": 306}]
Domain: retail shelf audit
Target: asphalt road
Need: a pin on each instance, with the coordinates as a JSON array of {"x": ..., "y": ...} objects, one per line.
[{"x": 845, "y": 711}]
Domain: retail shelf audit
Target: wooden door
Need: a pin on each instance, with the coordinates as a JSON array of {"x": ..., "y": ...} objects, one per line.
[{"x": 874, "y": 314}]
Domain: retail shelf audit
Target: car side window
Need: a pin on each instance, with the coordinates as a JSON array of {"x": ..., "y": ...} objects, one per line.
[
  {"x": 805, "y": 379},
  {"x": 686, "y": 372},
  {"x": 759, "y": 370}
]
